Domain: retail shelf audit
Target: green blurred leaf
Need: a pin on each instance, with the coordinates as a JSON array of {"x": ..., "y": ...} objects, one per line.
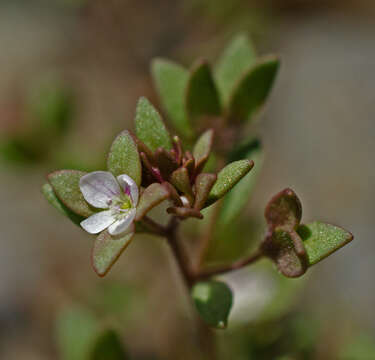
[
  {"x": 76, "y": 331},
  {"x": 227, "y": 178},
  {"x": 65, "y": 184},
  {"x": 149, "y": 126},
  {"x": 213, "y": 300},
  {"x": 171, "y": 81},
  {"x": 202, "y": 147},
  {"x": 124, "y": 158},
  {"x": 107, "y": 249},
  {"x": 202, "y": 97},
  {"x": 236, "y": 59},
  {"x": 361, "y": 347},
  {"x": 108, "y": 347},
  {"x": 252, "y": 90},
  {"x": 152, "y": 196},
  {"x": 51, "y": 197},
  {"x": 238, "y": 198},
  {"x": 321, "y": 240},
  {"x": 284, "y": 210}
]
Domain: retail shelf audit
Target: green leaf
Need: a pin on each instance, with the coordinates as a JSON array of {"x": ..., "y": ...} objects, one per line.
[
  {"x": 76, "y": 331},
  {"x": 238, "y": 57},
  {"x": 321, "y": 240},
  {"x": 239, "y": 197},
  {"x": 202, "y": 147},
  {"x": 149, "y": 126},
  {"x": 227, "y": 178},
  {"x": 203, "y": 185},
  {"x": 213, "y": 300},
  {"x": 171, "y": 81},
  {"x": 107, "y": 249},
  {"x": 108, "y": 347},
  {"x": 202, "y": 97},
  {"x": 124, "y": 158},
  {"x": 65, "y": 184},
  {"x": 152, "y": 196},
  {"x": 181, "y": 180},
  {"x": 252, "y": 90},
  {"x": 51, "y": 197},
  {"x": 284, "y": 211}
]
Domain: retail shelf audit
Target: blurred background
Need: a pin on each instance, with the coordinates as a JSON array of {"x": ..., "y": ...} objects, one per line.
[{"x": 84, "y": 63}]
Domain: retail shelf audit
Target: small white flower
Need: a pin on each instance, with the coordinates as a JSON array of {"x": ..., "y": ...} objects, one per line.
[{"x": 118, "y": 199}]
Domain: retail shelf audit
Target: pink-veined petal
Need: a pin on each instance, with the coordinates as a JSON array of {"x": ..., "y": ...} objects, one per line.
[
  {"x": 121, "y": 226},
  {"x": 129, "y": 187},
  {"x": 98, "y": 222},
  {"x": 99, "y": 188}
]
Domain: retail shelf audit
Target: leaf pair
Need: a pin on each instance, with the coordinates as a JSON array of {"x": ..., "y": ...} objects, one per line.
[{"x": 295, "y": 247}]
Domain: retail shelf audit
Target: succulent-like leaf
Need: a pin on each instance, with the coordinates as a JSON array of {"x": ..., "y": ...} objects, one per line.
[
  {"x": 76, "y": 329},
  {"x": 152, "y": 196},
  {"x": 252, "y": 90},
  {"x": 213, "y": 300},
  {"x": 65, "y": 184},
  {"x": 107, "y": 249},
  {"x": 202, "y": 97},
  {"x": 238, "y": 57},
  {"x": 239, "y": 197},
  {"x": 107, "y": 346},
  {"x": 181, "y": 180},
  {"x": 124, "y": 158},
  {"x": 185, "y": 212},
  {"x": 149, "y": 126},
  {"x": 203, "y": 185},
  {"x": 203, "y": 147},
  {"x": 51, "y": 197},
  {"x": 166, "y": 163},
  {"x": 171, "y": 81},
  {"x": 227, "y": 178},
  {"x": 321, "y": 240},
  {"x": 284, "y": 211}
]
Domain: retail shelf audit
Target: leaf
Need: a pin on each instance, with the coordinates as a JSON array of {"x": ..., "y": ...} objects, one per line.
[
  {"x": 213, "y": 300},
  {"x": 203, "y": 185},
  {"x": 238, "y": 57},
  {"x": 149, "y": 126},
  {"x": 171, "y": 81},
  {"x": 321, "y": 240},
  {"x": 124, "y": 158},
  {"x": 203, "y": 147},
  {"x": 107, "y": 249},
  {"x": 76, "y": 330},
  {"x": 202, "y": 97},
  {"x": 152, "y": 196},
  {"x": 184, "y": 212},
  {"x": 227, "y": 178},
  {"x": 65, "y": 184},
  {"x": 238, "y": 198},
  {"x": 51, "y": 197},
  {"x": 252, "y": 90},
  {"x": 181, "y": 180},
  {"x": 284, "y": 211},
  {"x": 108, "y": 347}
]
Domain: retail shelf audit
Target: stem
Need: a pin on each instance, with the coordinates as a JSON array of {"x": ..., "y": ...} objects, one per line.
[
  {"x": 231, "y": 267},
  {"x": 156, "y": 228}
]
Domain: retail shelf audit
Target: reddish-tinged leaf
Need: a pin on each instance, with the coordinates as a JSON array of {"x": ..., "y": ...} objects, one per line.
[{"x": 203, "y": 185}]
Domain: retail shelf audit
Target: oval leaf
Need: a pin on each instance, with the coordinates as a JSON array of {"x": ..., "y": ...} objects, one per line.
[
  {"x": 65, "y": 184},
  {"x": 321, "y": 240},
  {"x": 252, "y": 90},
  {"x": 107, "y": 249},
  {"x": 171, "y": 81},
  {"x": 203, "y": 185},
  {"x": 238, "y": 57},
  {"x": 123, "y": 157},
  {"x": 181, "y": 180},
  {"x": 152, "y": 196},
  {"x": 202, "y": 98},
  {"x": 213, "y": 300},
  {"x": 108, "y": 346},
  {"x": 149, "y": 126},
  {"x": 227, "y": 178},
  {"x": 203, "y": 147},
  {"x": 51, "y": 197}
]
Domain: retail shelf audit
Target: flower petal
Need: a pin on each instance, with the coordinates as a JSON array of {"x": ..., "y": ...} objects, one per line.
[
  {"x": 122, "y": 225},
  {"x": 130, "y": 187},
  {"x": 98, "y": 222},
  {"x": 99, "y": 188}
]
